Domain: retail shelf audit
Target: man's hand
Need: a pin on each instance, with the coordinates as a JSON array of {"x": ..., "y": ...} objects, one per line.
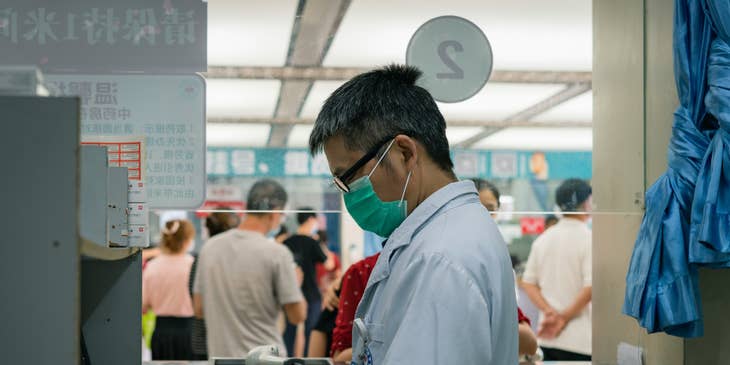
[
  {"x": 331, "y": 300},
  {"x": 555, "y": 322},
  {"x": 552, "y": 325}
]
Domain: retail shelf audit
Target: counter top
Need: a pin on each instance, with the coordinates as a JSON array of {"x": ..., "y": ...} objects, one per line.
[{"x": 207, "y": 363}]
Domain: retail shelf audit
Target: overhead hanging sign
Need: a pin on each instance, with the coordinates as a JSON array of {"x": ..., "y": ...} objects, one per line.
[
  {"x": 297, "y": 162},
  {"x": 161, "y": 36},
  {"x": 168, "y": 110},
  {"x": 454, "y": 55}
]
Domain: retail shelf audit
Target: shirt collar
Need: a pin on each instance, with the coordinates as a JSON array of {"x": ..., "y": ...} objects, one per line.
[
  {"x": 418, "y": 218},
  {"x": 423, "y": 212},
  {"x": 571, "y": 221}
]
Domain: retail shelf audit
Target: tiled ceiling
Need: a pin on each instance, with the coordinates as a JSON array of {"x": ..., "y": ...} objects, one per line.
[{"x": 524, "y": 34}]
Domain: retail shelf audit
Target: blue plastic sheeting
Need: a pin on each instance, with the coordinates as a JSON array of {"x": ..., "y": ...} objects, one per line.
[
  {"x": 686, "y": 224},
  {"x": 710, "y": 231}
]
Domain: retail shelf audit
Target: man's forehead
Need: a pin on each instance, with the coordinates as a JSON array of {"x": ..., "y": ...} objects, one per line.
[{"x": 339, "y": 157}]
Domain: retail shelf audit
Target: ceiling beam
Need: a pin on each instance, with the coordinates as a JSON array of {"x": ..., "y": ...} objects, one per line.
[
  {"x": 451, "y": 123},
  {"x": 314, "y": 28},
  {"x": 318, "y": 73},
  {"x": 554, "y": 100}
]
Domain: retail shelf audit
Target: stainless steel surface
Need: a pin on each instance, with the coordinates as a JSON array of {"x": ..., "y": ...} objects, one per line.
[
  {"x": 40, "y": 234},
  {"x": 618, "y": 165},
  {"x": 94, "y": 166},
  {"x": 111, "y": 293},
  {"x": 632, "y": 116},
  {"x": 712, "y": 348},
  {"x": 117, "y": 203}
]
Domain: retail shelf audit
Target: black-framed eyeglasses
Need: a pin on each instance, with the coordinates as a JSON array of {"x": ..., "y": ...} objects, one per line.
[{"x": 341, "y": 180}]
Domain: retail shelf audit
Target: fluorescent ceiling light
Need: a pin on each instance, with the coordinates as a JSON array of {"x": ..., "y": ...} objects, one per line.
[
  {"x": 459, "y": 134},
  {"x": 237, "y": 135},
  {"x": 524, "y": 34},
  {"x": 242, "y": 98},
  {"x": 299, "y": 136},
  {"x": 249, "y": 32},
  {"x": 498, "y": 101},
  {"x": 539, "y": 139},
  {"x": 320, "y": 91},
  {"x": 578, "y": 109}
]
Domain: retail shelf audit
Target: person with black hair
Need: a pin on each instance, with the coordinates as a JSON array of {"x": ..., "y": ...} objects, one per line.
[
  {"x": 442, "y": 291},
  {"x": 488, "y": 195},
  {"x": 307, "y": 253},
  {"x": 244, "y": 279},
  {"x": 558, "y": 277}
]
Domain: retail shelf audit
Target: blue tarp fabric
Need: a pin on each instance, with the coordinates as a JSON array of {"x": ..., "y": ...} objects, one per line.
[{"x": 686, "y": 224}]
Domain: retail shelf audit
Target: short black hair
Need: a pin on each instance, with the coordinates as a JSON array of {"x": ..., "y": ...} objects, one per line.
[
  {"x": 266, "y": 194},
  {"x": 571, "y": 194},
  {"x": 482, "y": 184},
  {"x": 304, "y": 214},
  {"x": 380, "y": 104}
]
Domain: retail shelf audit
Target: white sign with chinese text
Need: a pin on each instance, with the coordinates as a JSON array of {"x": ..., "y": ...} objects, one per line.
[{"x": 168, "y": 110}]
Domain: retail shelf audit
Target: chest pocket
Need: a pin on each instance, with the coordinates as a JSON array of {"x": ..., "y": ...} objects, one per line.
[
  {"x": 369, "y": 348},
  {"x": 376, "y": 332}
]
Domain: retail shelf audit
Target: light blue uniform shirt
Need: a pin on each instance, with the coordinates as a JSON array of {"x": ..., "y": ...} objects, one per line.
[{"x": 442, "y": 291}]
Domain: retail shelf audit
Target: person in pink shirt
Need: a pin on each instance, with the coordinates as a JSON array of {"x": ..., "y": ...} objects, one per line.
[{"x": 165, "y": 292}]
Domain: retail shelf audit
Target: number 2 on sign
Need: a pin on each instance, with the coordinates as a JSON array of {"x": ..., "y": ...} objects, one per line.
[{"x": 457, "y": 73}]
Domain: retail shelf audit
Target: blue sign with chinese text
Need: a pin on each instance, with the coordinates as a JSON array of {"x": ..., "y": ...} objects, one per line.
[{"x": 296, "y": 162}]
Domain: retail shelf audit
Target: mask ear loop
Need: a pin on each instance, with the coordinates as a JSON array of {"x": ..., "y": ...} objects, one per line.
[
  {"x": 408, "y": 178},
  {"x": 381, "y": 158}
]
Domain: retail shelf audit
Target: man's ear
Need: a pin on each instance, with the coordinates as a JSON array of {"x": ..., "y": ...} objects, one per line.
[{"x": 409, "y": 150}]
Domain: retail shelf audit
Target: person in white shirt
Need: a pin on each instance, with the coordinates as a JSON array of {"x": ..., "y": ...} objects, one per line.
[{"x": 558, "y": 277}]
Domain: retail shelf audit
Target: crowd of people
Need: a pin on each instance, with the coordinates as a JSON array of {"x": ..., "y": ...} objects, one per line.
[
  {"x": 443, "y": 282},
  {"x": 309, "y": 273}
]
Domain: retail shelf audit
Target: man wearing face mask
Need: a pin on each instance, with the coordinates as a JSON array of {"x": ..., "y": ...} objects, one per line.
[
  {"x": 244, "y": 279},
  {"x": 442, "y": 291}
]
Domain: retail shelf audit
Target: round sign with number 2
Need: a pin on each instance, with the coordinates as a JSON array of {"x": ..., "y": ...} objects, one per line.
[{"x": 454, "y": 55}]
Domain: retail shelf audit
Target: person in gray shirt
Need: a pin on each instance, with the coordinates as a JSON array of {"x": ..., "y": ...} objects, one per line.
[{"x": 244, "y": 279}]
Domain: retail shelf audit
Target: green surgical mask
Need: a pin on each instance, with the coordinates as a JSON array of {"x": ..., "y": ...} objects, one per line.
[{"x": 371, "y": 213}]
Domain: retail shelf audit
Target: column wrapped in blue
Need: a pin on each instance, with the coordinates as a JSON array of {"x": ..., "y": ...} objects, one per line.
[
  {"x": 710, "y": 232},
  {"x": 661, "y": 286}
]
